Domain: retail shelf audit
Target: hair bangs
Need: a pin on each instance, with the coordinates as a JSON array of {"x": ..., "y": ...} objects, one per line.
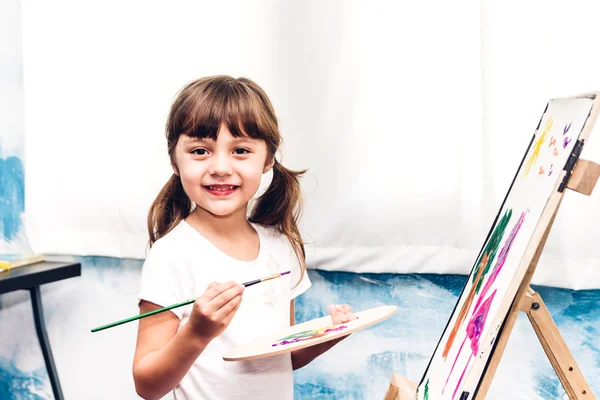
[
  {"x": 230, "y": 103},
  {"x": 205, "y": 116},
  {"x": 244, "y": 113}
]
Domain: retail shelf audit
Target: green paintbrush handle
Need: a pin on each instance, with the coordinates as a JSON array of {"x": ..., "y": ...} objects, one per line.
[
  {"x": 185, "y": 303},
  {"x": 123, "y": 321}
]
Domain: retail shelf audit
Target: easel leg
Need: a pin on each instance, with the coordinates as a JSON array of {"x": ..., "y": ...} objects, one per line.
[
  {"x": 555, "y": 347},
  {"x": 401, "y": 388},
  {"x": 40, "y": 327},
  {"x": 393, "y": 390}
]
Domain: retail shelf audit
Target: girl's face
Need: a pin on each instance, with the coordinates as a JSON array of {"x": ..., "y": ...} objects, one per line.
[{"x": 221, "y": 176}]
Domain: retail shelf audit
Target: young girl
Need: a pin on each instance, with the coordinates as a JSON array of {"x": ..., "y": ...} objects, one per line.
[{"x": 222, "y": 136}]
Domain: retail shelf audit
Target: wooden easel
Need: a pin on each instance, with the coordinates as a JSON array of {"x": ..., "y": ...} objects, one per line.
[{"x": 582, "y": 180}]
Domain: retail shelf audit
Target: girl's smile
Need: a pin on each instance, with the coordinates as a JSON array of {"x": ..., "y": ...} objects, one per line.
[{"x": 220, "y": 190}]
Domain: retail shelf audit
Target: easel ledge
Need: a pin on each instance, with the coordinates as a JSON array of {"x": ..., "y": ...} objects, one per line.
[{"x": 583, "y": 180}]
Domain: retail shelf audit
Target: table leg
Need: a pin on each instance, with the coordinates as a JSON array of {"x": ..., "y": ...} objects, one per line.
[{"x": 40, "y": 327}]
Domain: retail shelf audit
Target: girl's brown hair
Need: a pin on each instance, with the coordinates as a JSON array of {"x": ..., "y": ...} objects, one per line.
[{"x": 198, "y": 111}]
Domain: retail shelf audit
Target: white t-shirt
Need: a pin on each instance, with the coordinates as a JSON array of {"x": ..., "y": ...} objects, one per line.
[{"x": 181, "y": 265}]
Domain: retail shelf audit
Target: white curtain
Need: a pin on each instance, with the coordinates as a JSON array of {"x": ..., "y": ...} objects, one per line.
[
  {"x": 532, "y": 51},
  {"x": 411, "y": 118}
]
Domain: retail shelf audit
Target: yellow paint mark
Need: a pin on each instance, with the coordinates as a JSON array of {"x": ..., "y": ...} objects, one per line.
[{"x": 537, "y": 147}]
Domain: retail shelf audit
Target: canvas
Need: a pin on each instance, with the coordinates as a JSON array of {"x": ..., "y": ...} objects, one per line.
[{"x": 460, "y": 358}]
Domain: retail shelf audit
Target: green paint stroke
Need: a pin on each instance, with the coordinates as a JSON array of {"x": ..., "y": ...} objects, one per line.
[
  {"x": 491, "y": 248},
  {"x": 426, "y": 392}
]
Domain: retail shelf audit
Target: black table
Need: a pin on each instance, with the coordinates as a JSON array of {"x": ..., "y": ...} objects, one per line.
[{"x": 30, "y": 278}]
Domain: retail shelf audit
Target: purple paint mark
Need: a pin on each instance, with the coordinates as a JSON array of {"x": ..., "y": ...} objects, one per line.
[
  {"x": 566, "y": 142},
  {"x": 311, "y": 335},
  {"x": 502, "y": 257},
  {"x": 476, "y": 324},
  {"x": 550, "y": 172},
  {"x": 474, "y": 329}
]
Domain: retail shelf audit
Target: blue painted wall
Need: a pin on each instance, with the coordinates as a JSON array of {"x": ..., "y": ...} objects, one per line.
[{"x": 357, "y": 368}]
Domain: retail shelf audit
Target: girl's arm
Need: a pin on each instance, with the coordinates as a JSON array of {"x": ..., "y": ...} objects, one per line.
[
  {"x": 339, "y": 315},
  {"x": 164, "y": 354}
]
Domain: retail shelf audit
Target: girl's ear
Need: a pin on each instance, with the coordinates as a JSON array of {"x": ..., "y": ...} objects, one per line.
[
  {"x": 175, "y": 169},
  {"x": 268, "y": 164}
]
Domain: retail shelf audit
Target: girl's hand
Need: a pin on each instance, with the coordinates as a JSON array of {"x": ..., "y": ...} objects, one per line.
[
  {"x": 213, "y": 311},
  {"x": 341, "y": 314}
]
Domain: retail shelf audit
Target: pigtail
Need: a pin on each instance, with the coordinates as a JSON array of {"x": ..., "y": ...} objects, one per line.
[
  {"x": 280, "y": 206},
  {"x": 169, "y": 208}
]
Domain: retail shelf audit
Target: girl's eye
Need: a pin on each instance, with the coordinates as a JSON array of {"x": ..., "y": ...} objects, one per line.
[
  {"x": 241, "y": 151},
  {"x": 199, "y": 152}
]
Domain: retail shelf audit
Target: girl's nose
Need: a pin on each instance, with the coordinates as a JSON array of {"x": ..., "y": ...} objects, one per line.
[{"x": 220, "y": 165}]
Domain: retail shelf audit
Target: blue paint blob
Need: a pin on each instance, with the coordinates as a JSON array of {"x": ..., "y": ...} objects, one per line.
[
  {"x": 18, "y": 385},
  {"x": 12, "y": 196}
]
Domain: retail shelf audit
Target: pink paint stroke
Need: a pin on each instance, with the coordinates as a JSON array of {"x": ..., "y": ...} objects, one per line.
[
  {"x": 474, "y": 329},
  {"x": 477, "y": 322}
]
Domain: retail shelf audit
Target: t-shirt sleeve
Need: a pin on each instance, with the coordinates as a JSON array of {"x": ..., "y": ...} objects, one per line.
[
  {"x": 297, "y": 288},
  {"x": 164, "y": 281}
]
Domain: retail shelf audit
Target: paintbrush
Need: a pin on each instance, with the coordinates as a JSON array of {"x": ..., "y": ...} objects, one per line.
[{"x": 185, "y": 303}]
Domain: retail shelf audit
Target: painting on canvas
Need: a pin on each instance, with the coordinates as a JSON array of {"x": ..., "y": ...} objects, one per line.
[{"x": 458, "y": 362}]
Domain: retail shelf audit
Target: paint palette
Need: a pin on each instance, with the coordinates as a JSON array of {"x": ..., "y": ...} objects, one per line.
[{"x": 306, "y": 334}]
